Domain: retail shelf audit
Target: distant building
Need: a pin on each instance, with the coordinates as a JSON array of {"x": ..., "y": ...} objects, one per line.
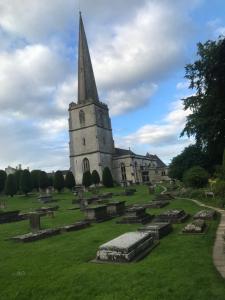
[
  {"x": 11, "y": 170},
  {"x": 91, "y": 139}
]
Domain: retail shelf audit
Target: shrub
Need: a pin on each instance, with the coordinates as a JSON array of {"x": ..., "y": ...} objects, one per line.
[
  {"x": 69, "y": 181},
  {"x": 87, "y": 179},
  {"x": 107, "y": 179},
  {"x": 58, "y": 181},
  {"x": 219, "y": 188},
  {"x": 25, "y": 182},
  {"x": 95, "y": 177},
  {"x": 10, "y": 185},
  {"x": 196, "y": 177}
]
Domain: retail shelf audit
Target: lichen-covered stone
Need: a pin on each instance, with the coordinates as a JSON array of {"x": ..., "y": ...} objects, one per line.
[
  {"x": 158, "y": 230},
  {"x": 197, "y": 226},
  {"x": 205, "y": 215},
  {"x": 172, "y": 216}
]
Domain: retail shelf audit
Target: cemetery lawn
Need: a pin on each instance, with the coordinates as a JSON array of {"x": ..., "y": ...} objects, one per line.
[{"x": 59, "y": 267}]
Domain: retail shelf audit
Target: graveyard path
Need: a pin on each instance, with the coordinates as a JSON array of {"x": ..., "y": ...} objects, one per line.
[{"x": 218, "y": 248}]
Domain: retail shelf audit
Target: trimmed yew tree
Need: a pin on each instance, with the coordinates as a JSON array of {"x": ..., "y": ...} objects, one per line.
[
  {"x": 58, "y": 181},
  {"x": 25, "y": 182},
  {"x": 107, "y": 179},
  {"x": 87, "y": 179},
  {"x": 3, "y": 177},
  {"x": 43, "y": 180},
  {"x": 69, "y": 181},
  {"x": 10, "y": 185},
  {"x": 95, "y": 177}
]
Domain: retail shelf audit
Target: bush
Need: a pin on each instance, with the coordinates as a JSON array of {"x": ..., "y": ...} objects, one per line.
[
  {"x": 107, "y": 179},
  {"x": 58, "y": 181},
  {"x": 196, "y": 177},
  {"x": 10, "y": 185},
  {"x": 219, "y": 188},
  {"x": 70, "y": 181},
  {"x": 87, "y": 179},
  {"x": 95, "y": 177}
]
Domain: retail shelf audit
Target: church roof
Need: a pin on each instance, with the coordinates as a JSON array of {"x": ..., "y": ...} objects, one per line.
[
  {"x": 87, "y": 89},
  {"x": 160, "y": 163},
  {"x": 121, "y": 152}
]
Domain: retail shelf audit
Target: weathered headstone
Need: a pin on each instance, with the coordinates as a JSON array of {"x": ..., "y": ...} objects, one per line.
[
  {"x": 156, "y": 204},
  {"x": 34, "y": 219},
  {"x": 163, "y": 197},
  {"x": 34, "y": 236},
  {"x": 128, "y": 247},
  {"x": 76, "y": 226}
]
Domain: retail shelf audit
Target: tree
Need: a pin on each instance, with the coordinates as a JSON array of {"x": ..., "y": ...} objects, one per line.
[
  {"x": 107, "y": 179},
  {"x": 95, "y": 177},
  {"x": 3, "y": 177},
  {"x": 87, "y": 179},
  {"x": 69, "y": 181},
  {"x": 25, "y": 182},
  {"x": 18, "y": 175},
  {"x": 43, "y": 180},
  {"x": 206, "y": 122},
  {"x": 190, "y": 156},
  {"x": 10, "y": 185},
  {"x": 35, "y": 174},
  {"x": 196, "y": 177},
  {"x": 58, "y": 181}
]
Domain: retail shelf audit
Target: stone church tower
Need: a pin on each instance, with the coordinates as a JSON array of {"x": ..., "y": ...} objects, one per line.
[{"x": 91, "y": 140}]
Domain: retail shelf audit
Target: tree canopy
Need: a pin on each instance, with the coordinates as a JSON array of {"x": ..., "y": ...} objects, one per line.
[
  {"x": 206, "y": 121},
  {"x": 190, "y": 156},
  {"x": 10, "y": 185}
]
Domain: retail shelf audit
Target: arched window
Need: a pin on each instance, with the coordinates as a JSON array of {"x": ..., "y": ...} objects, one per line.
[
  {"x": 101, "y": 118},
  {"x": 123, "y": 172},
  {"x": 82, "y": 118},
  {"x": 83, "y": 141},
  {"x": 86, "y": 165}
]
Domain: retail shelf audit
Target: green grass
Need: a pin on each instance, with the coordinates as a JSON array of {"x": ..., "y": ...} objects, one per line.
[{"x": 59, "y": 267}]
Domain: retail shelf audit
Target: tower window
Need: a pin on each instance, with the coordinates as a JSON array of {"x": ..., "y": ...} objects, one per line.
[
  {"x": 83, "y": 141},
  {"x": 86, "y": 165},
  {"x": 82, "y": 118}
]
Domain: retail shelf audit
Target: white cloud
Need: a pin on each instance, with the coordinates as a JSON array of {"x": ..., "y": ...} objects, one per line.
[{"x": 162, "y": 138}]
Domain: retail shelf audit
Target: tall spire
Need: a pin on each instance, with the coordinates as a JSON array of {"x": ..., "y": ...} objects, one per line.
[{"x": 87, "y": 89}]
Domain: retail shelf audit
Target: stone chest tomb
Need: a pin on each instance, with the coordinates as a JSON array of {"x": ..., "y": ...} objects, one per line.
[
  {"x": 116, "y": 208},
  {"x": 205, "y": 215},
  {"x": 136, "y": 214},
  {"x": 127, "y": 247},
  {"x": 96, "y": 213},
  {"x": 158, "y": 230},
  {"x": 172, "y": 216},
  {"x": 197, "y": 226}
]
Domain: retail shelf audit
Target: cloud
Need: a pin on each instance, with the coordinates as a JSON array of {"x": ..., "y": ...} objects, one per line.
[
  {"x": 162, "y": 138},
  {"x": 132, "y": 51}
]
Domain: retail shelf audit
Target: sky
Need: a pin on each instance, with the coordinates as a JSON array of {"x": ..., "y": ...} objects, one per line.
[{"x": 139, "y": 49}]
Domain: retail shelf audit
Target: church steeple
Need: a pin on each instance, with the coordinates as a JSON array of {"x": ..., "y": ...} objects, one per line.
[{"x": 87, "y": 89}]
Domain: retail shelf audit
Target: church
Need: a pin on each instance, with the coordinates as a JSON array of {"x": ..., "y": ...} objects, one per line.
[{"x": 91, "y": 140}]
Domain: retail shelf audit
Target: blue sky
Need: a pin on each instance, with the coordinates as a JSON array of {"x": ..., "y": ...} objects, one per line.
[{"x": 138, "y": 49}]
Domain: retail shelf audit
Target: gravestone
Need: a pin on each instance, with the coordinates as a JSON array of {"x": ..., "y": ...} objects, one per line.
[
  {"x": 10, "y": 216},
  {"x": 205, "y": 215},
  {"x": 96, "y": 213},
  {"x": 172, "y": 216},
  {"x": 128, "y": 247},
  {"x": 196, "y": 226},
  {"x": 116, "y": 208},
  {"x": 151, "y": 189},
  {"x": 46, "y": 198},
  {"x": 135, "y": 214},
  {"x": 156, "y": 204},
  {"x": 163, "y": 197},
  {"x": 34, "y": 219},
  {"x": 76, "y": 226},
  {"x": 158, "y": 230},
  {"x": 34, "y": 236}
]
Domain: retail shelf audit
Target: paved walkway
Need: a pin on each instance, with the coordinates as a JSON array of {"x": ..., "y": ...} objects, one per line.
[{"x": 218, "y": 248}]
